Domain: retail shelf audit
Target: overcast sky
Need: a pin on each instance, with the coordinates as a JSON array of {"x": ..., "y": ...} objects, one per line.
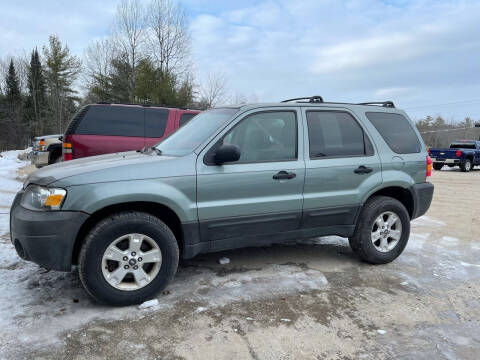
[{"x": 424, "y": 55}]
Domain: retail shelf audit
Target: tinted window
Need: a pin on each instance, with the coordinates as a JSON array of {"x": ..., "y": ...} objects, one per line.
[
  {"x": 397, "y": 132},
  {"x": 462, "y": 146},
  {"x": 268, "y": 136},
  {"x": 185, "y": 118},
  {"x": 336, "y": 133},
  {"x": 155, "y": 122},
  {"x": 112, "y": 120}
]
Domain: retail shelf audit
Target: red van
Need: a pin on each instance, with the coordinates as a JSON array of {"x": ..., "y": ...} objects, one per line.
[{"x": 106, "y": 128}]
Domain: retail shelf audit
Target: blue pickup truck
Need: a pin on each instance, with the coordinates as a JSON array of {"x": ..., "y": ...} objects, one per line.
[{"x": 463, "y": 153}]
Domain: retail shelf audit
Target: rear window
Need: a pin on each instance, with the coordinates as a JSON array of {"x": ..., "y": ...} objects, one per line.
[
  {"x": 336, "y": 133},
  {"x": 397, "y": 132},
  {"x": 155, "y": 122},
  {"x": 112, "y": 120},
  {"x": 462, "y": 146},
  {"x": 185, "y": 118}
]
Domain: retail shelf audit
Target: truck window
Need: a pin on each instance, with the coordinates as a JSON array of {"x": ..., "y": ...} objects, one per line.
[
  {"x": 155, "y": 122},
  {"x": 462, "y": 146},
  {"x": 112, "y": 120},
  {"x": 397, "y": 132},
  {"x": 336, "y": 133}
]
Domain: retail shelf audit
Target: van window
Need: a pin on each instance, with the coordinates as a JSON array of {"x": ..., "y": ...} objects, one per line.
[
  {"x": 185, "y": 118},
  {"x": 112, "y": 120},
  {"x": 336, "y": 134},
  {"x": 397, "y": 132},
  {"x": 155, "y": 122}
]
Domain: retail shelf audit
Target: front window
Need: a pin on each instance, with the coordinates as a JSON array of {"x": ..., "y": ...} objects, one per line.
[
  {"x": 194, "y": 133},
  {"x": 265, "y": 136}
]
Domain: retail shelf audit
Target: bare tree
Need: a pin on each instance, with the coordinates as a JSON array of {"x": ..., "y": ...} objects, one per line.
[
  {"x": 169, "y": 36},
  {"x": 98, "y": 58},
  {"x": 129, "y": 35},
  {"x": 214, "y": 90}
]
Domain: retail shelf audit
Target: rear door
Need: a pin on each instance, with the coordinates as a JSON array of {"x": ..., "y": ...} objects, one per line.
[{"x": 342, "y": 165}]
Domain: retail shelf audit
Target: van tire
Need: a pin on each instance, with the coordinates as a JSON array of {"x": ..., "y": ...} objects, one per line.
[
  {"x": 361, "y": 242},
  {"x": 101, "y": 237}
]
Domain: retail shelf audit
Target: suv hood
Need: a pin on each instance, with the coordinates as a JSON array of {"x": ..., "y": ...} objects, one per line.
[{"x": 122, "y": 166}]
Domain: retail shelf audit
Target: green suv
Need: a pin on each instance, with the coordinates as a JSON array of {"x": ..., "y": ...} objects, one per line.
[{"x": 232, "y": 177}]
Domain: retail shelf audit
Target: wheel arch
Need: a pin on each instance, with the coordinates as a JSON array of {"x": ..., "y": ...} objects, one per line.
[
  {"x": 161, "y": 211},
  {"x": 402, "y": 194}
]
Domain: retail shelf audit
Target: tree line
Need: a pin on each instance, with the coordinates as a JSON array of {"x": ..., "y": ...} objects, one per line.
[
  {"x": 436, "y": 132},
  {"x": 144, "y": 59}
]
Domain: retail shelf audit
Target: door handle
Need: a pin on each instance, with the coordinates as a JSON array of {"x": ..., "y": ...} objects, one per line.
[
  {"x": 362, "y": 170},
  {"x": 284, "y": 175}
]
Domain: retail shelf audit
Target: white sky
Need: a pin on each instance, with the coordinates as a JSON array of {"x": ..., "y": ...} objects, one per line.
[{"x": 424, "y": 55}]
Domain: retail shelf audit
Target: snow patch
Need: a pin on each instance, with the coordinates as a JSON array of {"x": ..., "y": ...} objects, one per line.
[
  {"x": 426, "y": 221},
  {"x": 468, "y": 264},
  {"x": 148, "y": 304}
]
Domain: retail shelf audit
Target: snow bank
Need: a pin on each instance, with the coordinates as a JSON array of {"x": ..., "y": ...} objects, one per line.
[{"x": 9, "y": 165}]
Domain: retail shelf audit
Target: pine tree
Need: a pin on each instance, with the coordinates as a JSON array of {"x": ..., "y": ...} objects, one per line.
[
  {"x": 12, "y": 122},
  {"x": 62, "y": 70},
  {"x": 36, "y": 102}
]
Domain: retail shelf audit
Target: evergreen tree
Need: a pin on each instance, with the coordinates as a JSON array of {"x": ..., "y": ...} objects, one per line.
[
  {"x": 12, "y": 119},
  {"x": 36, "y": 102},
  {"x": 62, "y": 69}
]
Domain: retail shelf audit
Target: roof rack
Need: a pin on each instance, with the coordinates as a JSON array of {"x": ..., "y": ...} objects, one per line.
[
  {"x": 147, "y": 105},
  {"x": 389, "y": 104},
  {"x": 311, "y": 99}
]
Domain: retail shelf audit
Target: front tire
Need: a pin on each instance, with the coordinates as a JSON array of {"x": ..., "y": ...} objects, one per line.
[
  {"x": 382, "y": 230},
  {"x": 466, "y": 166},
  {"x": 127, "y": 258}
]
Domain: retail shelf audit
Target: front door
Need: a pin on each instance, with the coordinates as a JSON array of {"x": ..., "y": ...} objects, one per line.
[
  {"x": 242, "y": 202},
  {"x": 342, "y": 166}
]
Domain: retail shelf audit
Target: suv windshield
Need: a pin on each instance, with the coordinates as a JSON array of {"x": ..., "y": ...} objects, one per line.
[{"x": 195, "y": 132}]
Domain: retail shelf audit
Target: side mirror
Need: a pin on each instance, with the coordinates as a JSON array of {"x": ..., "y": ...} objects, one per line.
[{"x": 227, "y": 153}]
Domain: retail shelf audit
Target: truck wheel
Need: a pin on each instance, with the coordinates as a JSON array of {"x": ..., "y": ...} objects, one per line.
[
  {"x": 382, "y": 230},
  {"x": 127, "y": 258},
  {"x": 437, "y": 166},
  {"x": 466, "y": 166}
]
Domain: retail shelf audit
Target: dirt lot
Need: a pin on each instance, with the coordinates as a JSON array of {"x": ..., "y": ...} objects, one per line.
[{"x": 312, "y": 300}]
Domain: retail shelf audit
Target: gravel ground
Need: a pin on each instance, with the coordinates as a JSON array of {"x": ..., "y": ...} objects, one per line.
[{"x": 312, "y": 300}]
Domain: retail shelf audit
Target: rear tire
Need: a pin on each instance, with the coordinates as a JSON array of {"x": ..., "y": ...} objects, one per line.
[
  {"x": 367, "y": 230},
  {"x": 96, "y": 268},
  {"x": 437, "y": 166},
  {"x": 466, "y": 166}
]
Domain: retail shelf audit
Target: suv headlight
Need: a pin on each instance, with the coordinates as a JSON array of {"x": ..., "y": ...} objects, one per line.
[{"x": 41, "y": 198}]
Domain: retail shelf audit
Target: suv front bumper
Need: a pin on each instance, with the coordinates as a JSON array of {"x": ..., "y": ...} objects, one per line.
[{"x": 45, "y": 237}]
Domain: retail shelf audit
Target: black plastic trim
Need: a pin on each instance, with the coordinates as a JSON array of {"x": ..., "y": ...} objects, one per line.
[
  {"x": 45, "y": 237},
  {"x": 422, "y": 198}
]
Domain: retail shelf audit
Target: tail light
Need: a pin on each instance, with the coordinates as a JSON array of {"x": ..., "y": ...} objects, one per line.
[
  {"x": 429, "y": 168},
  {"x": 67, "y": 151},
  {"x": 458, "y": 153}
]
